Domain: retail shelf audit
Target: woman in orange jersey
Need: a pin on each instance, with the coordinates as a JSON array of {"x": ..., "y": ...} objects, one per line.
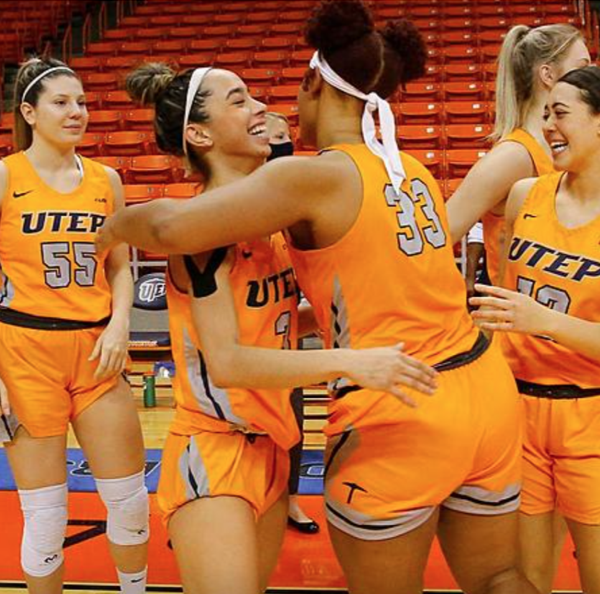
[
  {"x": 225, "y": 466},
  {"x": 368, "y": 236},
  {"x": 551, "y": 316},
  {"x": 64, "y": 325},
  {"x": 530, "y": 62}
]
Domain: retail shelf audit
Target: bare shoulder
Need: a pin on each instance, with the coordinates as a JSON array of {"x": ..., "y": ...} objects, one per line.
[
  {"x": 517, "y": 196},
  {"x": 113, "y": 176},
  {"x": 322, "y": 170}
]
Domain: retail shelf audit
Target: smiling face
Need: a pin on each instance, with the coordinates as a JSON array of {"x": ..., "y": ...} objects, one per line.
[
  {"x": 571, "y": 129},
  {"x": 60, "y": 115},
  {"x": 236, "y": 125}
]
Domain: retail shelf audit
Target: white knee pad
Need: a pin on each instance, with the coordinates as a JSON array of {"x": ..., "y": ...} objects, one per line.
[
  {"x": 45, "y": 515},
  {"x": 126, "y": 501}
]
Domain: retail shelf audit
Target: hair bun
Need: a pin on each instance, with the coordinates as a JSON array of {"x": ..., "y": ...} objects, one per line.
[
  {"x": 336, "y": 24},
  {"x": 146, "y": 83},
  {"x": 405, "y": 40}
]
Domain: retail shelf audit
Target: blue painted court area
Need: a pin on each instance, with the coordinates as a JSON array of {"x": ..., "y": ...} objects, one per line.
[{"x": 80, "y": 478}]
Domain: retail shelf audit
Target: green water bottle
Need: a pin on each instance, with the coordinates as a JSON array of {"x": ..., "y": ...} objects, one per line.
[{"x": 149, "y": 390}]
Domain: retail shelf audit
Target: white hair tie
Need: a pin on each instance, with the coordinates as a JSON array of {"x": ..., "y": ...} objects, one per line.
[
  {"x": 39, "y": 77},
  {"x": 195, "y": 82},
  {"x": 388, "y": 152}
]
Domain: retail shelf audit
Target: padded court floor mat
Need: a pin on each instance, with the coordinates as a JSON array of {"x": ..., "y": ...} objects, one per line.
[{"x": 307, "y": 563}]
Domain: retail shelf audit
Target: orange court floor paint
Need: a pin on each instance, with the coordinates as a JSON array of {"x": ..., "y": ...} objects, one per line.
[{"x": 306, "y": 564}]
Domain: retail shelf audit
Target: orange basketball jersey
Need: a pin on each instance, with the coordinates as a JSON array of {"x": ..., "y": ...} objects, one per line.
[
  {"x": 49, "y": 266},
  {"x": 560, "y": 268},
  {"x": 493, "y": 224},
  {"x": 266, "y": 303},
  {"x": 392, "y": 278}
]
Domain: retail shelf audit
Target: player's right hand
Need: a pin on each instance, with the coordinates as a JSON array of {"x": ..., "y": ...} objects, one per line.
[{"x": 389, "y": 369}]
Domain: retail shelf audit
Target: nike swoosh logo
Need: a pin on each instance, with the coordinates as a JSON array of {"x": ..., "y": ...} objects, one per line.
[
  {"x": 137, "y": 581},
  {"x": 20, "y": 194},
  {"x": 529, "y": 216}
]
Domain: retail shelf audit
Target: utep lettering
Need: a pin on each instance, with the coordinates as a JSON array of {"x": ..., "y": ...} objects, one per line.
[
  {"x": 272, "y": 289},
  {"x": 59, "y": 221},
  {"x": 562, "y": 264}
]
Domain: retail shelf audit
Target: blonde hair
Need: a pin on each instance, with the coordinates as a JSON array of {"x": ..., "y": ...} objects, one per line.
[
  {"x": 523, "y": 50},
  {"x": 23, "y": 134},
  {"x": 278, "y": 116}
]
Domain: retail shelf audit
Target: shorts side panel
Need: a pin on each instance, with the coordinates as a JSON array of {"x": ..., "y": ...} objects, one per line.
[{"x": 221, "y": 464}]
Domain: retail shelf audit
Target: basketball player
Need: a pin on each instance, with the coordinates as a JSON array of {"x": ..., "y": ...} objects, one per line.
[
  {"x": 64, "y": 326},
  {"x": 530, "y": 62},
  {"x": 549, "y": 311}
]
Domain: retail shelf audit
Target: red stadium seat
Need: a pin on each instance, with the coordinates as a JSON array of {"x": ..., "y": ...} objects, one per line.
[
  {"x": 233, "y": 60},
  {"x": 6, "y": 145},
  {"x": 182, "y": 190},
  {"x": 283, "y": 93},
  {"x": 419, "y": 113},
  {"x": 85, "y": 65},
  {"x": 428, "y": 91},
  {"x": 467, "y": 135},
  {"x": 154, "y": 169},
  {"x": 175, "y": 47},
  {"x": 92, "y": 144},
  {"x": 433, "y": 160},
  {"x": 277, "y": 43},
  {"x": 289, "y": 110},
  {"x": 243, "y": 43},
  {"x": 106, "y": 48},
  {"x": 270, "y": 59},
  {"x": 139, "y": 119},
  {"x": 464, "y": 91},
  {"x": 7, "y": 121},
  {"x": 461, "y": 54},
  {"x": 100, "y": 81},
  {"x": 419, "y": 137},
  {"x": 139, "y": 193},
  {"x": 126, "y": 143},
  {"x": 462, "y": 72},
  {"x": 120, "y": 65},
  {"x": 293, "y": 76},
  {"x": 105, "y": 121},
  {"x": 117, "y": 100},
  {"x": 264, "y": 77},
  {"x": 460, "y": 161},
  {"x": 197, "y": 60},
  {"x": 119, "y": 164},
  {"x": 457, "y": 37},
  {"x": 186, "y": 33},
  {"x": 466, "y": 112}
]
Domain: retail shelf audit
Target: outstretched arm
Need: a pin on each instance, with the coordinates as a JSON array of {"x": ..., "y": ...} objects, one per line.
[
  {"x": 232, "y": 364},
  {"x": 276, "y": 196}
]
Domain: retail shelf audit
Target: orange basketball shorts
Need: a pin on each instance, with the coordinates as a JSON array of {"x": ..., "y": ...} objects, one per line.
[
  {"x": 233, "y": 464},
  {"x": 48, "y": 376},
  {"x": 460, "y": 449},
  {"x": 562, "y": 457}
]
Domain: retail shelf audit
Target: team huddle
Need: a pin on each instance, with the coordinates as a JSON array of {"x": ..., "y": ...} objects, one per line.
[{"x": 478, "y": 427}]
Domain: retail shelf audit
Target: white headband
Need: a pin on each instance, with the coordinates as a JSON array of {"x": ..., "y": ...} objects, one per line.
[
  {"x": 39, "y": 77},
  {"x": 195, "y": 82},
  {"x": 388, "y": 152}
]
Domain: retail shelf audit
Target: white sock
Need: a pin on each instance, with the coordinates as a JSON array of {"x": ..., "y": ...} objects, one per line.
[{"x": 133, "y": 583}]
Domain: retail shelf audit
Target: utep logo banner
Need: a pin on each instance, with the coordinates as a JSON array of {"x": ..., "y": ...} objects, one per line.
[{"x": 151, "y": 292}]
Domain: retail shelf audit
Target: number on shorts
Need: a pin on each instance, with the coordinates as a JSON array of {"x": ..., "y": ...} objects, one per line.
[
  {"x": 412, "y": 238},
  {"x": 58, "y": 273},
  {"x": 283, "y": 327}
]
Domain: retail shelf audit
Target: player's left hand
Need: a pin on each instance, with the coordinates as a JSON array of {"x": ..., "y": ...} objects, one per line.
[
  {"x": 508, "y": 311},
  {"x": 111, "y": 350}
]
